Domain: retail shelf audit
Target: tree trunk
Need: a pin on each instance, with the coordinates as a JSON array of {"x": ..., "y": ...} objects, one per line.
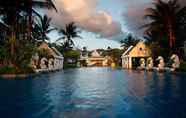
[
  {"x": 12, "y": 41},
  {"x": 30, "y": 20},
  {"x": 171, "y": 36}
]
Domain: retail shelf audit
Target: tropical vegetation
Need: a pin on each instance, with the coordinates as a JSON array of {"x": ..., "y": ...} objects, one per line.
[
  {"x": 23, "y": 29},
  {"x": 129, "y": 40},
  {"x": 165, "y": 24},
  {"x": 67, "y": 35}
]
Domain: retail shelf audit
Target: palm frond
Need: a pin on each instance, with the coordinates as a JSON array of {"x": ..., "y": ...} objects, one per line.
[{"x": 59, "y": 39}]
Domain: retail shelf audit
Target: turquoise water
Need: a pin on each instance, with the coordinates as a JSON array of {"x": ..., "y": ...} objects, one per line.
[{"x": 95, "y": 93}]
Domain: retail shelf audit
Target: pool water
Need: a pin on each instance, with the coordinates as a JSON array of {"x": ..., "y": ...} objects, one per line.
[{"x": 95, "y": 93}]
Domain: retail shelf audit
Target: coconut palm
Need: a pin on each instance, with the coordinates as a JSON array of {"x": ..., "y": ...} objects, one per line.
[
  {"x": 29, "y": 5},
  {"x": 71, "y": 31},
  {"x": 42, "y": 28},
  {"x": 12, "y": 12},
  {"x": 16, "y": 6},
  {"x": 128, "y": 41},
  {"x": 162, "y": 19}
]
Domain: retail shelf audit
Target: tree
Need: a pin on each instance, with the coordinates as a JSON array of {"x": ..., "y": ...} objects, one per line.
[
  {"x": 17, "y": 14},
  {"x": 84, "y": 52},
  {"x": 28, "y": 5},
  {"x": 71, "y": 31},
  {"x": 13, "y": 10},
  {"x": 128, "y": 41},
  {"x": 181, "y": 27},
  {"x": 42, "y": 28},
  {"x": 162, "y": 20},
  {"x": 115, "y": 54}
]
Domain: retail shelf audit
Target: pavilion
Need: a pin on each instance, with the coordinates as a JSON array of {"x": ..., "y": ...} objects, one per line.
[
  {"x": 54, "y": 62},
  {"x": 131, "y": 57},
  {"x": 96, "y": 59}
]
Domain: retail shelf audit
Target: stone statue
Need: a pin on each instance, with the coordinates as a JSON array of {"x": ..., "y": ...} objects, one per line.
[
  {"x": 150, "y": 63},
  {"x": 43, "y": 63},
  {"x": 142, "y": 63},
  {"x": 51, "y": 64},
  {"x": 176, "y": 62},
  {"x": 56, "y": 64},
  {"x": 161, "y": 65},
  {"x": 35, "y": 61}
]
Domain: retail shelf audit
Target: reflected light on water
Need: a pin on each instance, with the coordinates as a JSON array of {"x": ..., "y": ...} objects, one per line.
[{"x": 95, "y": 93}]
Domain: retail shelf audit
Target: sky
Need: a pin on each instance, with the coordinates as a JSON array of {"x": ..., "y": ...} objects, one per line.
[{"x": 103, "y": 22}]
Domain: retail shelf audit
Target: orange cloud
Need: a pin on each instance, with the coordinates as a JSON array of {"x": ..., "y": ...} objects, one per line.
[{"x": 85, "y": 15}]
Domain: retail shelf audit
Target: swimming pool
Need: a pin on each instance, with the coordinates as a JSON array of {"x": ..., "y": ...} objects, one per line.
[{"x": 95, "y": 93}]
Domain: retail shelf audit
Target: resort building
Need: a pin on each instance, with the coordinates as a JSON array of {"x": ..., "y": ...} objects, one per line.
[
  {"x": 131, "y": 57},
  {"x": 54, "y": 60},
  {"x": 95, "y": 59}
]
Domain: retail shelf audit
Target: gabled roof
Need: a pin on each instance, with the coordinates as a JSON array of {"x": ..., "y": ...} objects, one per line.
[
  {"x": 5, "y": 26},
  {"x": 139, "y": 50},
  {"x": 128, "y": 50},
  {"x": 95, "y": 54},
  {"x": 53, "y": 51}
]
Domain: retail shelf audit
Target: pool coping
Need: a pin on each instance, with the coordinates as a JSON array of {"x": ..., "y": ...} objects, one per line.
[
  {"x": 30, "y": 75},
  {"x": 23, "y": 76}
]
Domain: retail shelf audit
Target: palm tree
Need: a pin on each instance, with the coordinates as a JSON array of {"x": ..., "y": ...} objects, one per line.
[
  {"x": 71, "y": 31},
  {"x": 29, "y": 5},
  {"x": 128, "y": 41},
  {"x": 11, "y": 11},
  {"x": 42, "y": 28},
  {"x": 162, "y": 17}
]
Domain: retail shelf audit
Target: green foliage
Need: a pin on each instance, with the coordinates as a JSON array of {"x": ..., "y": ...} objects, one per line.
[
  {"x": 23, "y": 55},
  {"x": 18, "y": 17},
  {"x": 67, "y": 65},
  {"x": 181, "y": 27},
  {"x": 162, "y": 19},
  {"x": 4, "y": 53},
  {"x": 75, "y": 54},
  {"x": 43, "y": 53},
  {"x": 116, "y": 55},
  {"x": 7, "y": 70},
  {"x": 71, "y": 31},
  {"x": 182, "y": 67},
  {"x": 158, "y": 50},
  {"x": 42, "y": 28},
  {"x": 128, "y": 41}
]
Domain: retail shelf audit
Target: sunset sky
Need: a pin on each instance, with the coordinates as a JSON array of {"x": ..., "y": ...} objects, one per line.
[{"x": 103, "y": 22}]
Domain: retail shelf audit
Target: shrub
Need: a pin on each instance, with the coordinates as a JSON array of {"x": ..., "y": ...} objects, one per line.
[
  {"x": 67, "y": 65},
  {"x": 7, "y": 70},
  {"x": 182, "y": 67}
]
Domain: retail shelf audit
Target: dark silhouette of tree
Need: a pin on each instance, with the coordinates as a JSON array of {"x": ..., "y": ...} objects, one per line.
[
  {"x": 128, "y": 41},
  {"x": 42, "y": 28},
  {"x": 181, "y": 27},
  {"x": 71, "y": 31},
  {"x": 162, "y": 20}
]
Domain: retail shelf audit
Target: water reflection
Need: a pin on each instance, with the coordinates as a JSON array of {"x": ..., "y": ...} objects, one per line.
[{"x": 95, "y": 93}]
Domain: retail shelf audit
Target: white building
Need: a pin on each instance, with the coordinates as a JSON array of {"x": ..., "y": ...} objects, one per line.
[{"x": 52, "y": 63}]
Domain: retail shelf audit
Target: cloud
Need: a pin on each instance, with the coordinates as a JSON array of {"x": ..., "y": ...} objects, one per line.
[
  {"x": 133, "y": 15},
  {"x": 85, "y": 15},
  {"x": 135, "y": 10}
]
